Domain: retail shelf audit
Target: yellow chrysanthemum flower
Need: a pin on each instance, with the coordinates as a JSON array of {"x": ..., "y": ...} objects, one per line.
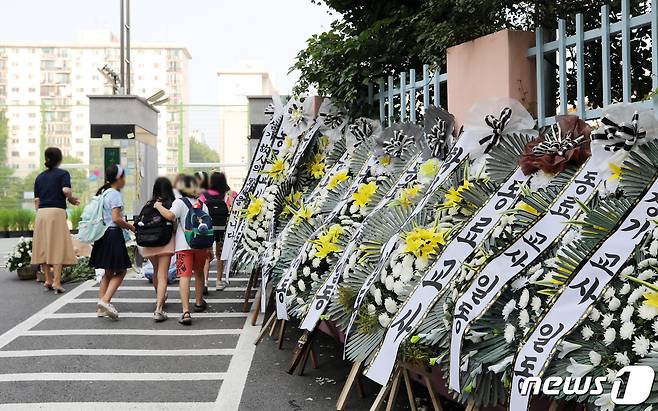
[
  {"x": 304, "y": 214},
  {"x": 337, "y": 178},
  {"x": 452, "y": 198},
  {"x": 423, "y": 242},
  {"x": 316, "y": 166},
  {"x": 522, "y": 205},
  {"x": 407, "y": 195},
  {"x": 616, "y": 171},
  {"x": 277, "y": 168},
  {"x": 364, "y": 193},
  {"x": 651, "y": 299},
  {"x": 385, "y": 160},
  {"x": 254, "y": 208},
  {"x": 327, "y": 241},
  {"x": 287, "y": 142},
  {"x": 430, "y": 168}
]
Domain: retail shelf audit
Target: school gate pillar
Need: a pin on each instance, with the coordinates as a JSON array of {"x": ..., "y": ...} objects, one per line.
[
  {"x": 124, "y": 131},
  {"x": 496, "y": 65}
]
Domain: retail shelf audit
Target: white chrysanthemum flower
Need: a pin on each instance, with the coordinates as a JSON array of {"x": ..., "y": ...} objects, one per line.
[
  {"x": 607, "y": 320},
  {"x": 508, "y": 308},
  {"x": 377, "y": 295},
  {"x": 390, "y": 281},
  {"x": 300, "y": 301},
  {"x": 655, "y": 327},
  {"x": 390, "y": 305},
  {"x": 628, "y": 270},
  {"x": 519, "y": 283},
  {"x": 626, "y": 330},
  {"x": 421, "y": 263},
  {"x": 608, "y": 293},
  {"x": 647, "y": 312},
  {"x": 260, "y": 232},
  {"x": 371, "y": 309},
  {"x": 646, "y": 275},
  {"x": 609, "y": 336},
  {"x": 399, "y": 288},
  {"x": 353, "y": 258},
  {"x": 315, "y": 277},
  {"x": 510, "y": 330},
  {"x": 578, "y": 370},
  {"x": 384, "y": 320},
  {"x": 524, "y": 299},
  {"x": 636, "y": 294},
  {"x": 306, "y": 271},
  {"x": 408, "y": 262},
  {"x": 524, "y": 318},
  {"x": 653, "y": 248},
  {"x": 594, "y": 358},
  {"x": 315, "y": 263},
  {"x": 627, "y": 313},
  {"x": 539, "y": 180},
  {"x": 535, "y": 304},
  {"x": 406, "y": 277},
  {"x": 301, "y": 285},
  {"x": 397, "y": 270},
  {"x": 641, "y": 346},
  {"x": 292, "y": 290},
  {"x": 534, "y": 269},
  {"x": 587, "y": 332},
  {"x": 312, "y": 252},
  {"x": 622, "y": 359},
  {"x": 625, "y": 289},
  {"x": 604, "y": 402},
  {"x": 595, "y": 314},
  {"x": 614, "y": 304}
]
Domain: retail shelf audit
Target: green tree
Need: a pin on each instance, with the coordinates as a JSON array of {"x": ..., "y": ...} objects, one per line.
[
  {"x": 376, "y": 38},
  {"x": 9, "y": 198},
  {"x": 202, "y": 153}
]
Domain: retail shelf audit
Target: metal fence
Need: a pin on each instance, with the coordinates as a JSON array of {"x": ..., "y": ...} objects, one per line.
[
  {"x": 555, "y": 49},
  {"x": 405, "y": 99}
]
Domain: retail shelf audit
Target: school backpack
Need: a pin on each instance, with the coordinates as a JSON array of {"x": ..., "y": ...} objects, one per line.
[
  {"x": 92, "y": 226},
  {"x": 218, "y": 211},
  {"x": 198, "y": 226},
  {"x": 152, "y": 229}
]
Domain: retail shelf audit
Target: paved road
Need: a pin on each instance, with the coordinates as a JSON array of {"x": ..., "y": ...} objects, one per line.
[{"x": 63, "y": 357}]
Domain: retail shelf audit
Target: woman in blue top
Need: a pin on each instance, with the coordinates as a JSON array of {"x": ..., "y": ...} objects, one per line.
[
  {"x": 51, "y": 244},
  {"x": 109, "y": 252}
]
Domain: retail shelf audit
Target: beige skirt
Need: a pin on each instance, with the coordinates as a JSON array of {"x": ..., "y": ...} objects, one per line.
[
  {"x": 167, "y": 249},
  {"x": 51, "y": 243}
]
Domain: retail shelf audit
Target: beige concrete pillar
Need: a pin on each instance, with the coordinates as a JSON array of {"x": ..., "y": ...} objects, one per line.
[{"x": 496, "y": 65}]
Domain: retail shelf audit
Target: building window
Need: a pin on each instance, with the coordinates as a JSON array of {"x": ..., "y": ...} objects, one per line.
[{"x": 15, "y": 154}]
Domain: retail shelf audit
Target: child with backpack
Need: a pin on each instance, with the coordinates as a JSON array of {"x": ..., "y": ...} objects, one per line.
[
  {"x": 109, "y": 251},
  {"x": 194, "y": 236},
  {"x": 155, "y": 234},
  {"x": 217, "y": 200}
]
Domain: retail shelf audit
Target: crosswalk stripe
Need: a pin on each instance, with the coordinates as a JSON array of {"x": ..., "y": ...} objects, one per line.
[
  {"x": 120, "y": 376},
  {"x": 169, "y": 288},
  {"x": 163, "y": 333},
  {"x": 124, "y": 314},
  {"x": 115, "y": 352},
  {"x": 152, "y": 301}
]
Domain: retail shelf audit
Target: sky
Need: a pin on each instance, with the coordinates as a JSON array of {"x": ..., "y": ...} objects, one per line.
[{"x": 218, "y": 33}]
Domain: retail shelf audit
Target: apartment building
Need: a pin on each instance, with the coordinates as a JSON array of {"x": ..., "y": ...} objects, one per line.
[
  {"x": 44, "y": 89},
  {"x": 249, "y": 78}
]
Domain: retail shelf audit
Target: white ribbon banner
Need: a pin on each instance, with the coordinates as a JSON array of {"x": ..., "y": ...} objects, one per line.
[
  {"x": 265, "y": 147},
  {"x": 440, "y": 274},
  {"x": 324, "y": 294},
  {"x": 455, "y": 157},
  {"x": 583, "y": 290},
  {"x": 286, "y": 279},
  {"x": 503, "y": 268}
]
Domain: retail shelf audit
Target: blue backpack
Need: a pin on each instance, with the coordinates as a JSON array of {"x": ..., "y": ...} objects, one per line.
[
  {"x": 198, "y": 226},
  {"x": 92, "y": 226}
]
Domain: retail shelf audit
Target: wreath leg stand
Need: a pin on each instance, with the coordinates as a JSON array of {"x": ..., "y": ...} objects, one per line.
[
  {"x": 352, "y": 379},
  {"x": 253, "y": 279}
]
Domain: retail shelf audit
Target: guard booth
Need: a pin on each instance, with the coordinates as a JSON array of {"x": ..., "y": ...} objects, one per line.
[{"x": 124, "y": 130}]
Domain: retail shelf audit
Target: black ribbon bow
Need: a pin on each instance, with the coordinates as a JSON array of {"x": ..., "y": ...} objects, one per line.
[
  {"x": 398, "y": 144},
  {"x": 436, "y": 138},
  {"x": 497, "y": 126},
  {"x": 361, "y": 130},
  {"x": 555, "y": 143},
  {"x": 331, "y": 120},
  {"x": 630, "y": 133}
]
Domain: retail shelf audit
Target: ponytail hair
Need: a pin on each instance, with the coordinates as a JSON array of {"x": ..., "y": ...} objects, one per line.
[
  {"x": 112, "y": 173},
  {"x": 188, "y": 187}
]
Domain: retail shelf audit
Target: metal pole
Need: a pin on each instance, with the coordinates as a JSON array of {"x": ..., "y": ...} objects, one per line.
[
  {"x": 127, "y": 46},
  {"x": 122, "y": 72}
]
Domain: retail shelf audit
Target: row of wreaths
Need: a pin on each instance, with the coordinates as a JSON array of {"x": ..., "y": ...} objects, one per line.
[{"x": 499, "y": 255}]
